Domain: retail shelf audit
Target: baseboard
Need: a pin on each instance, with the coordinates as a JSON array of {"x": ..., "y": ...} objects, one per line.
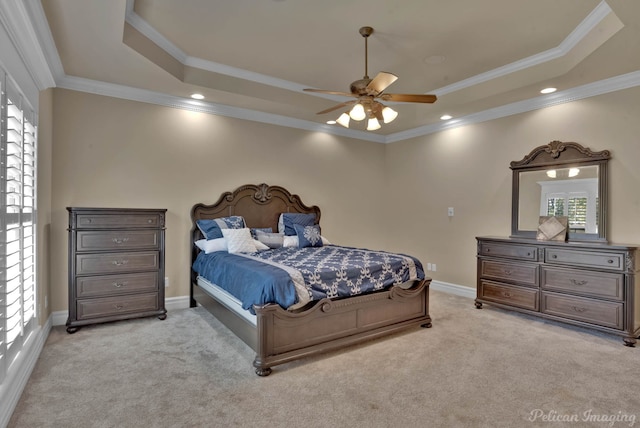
[
  {"x": 458, "y": 290},
  {"x": 170, "y": 303},
  {"x": 13, "y": 385}
]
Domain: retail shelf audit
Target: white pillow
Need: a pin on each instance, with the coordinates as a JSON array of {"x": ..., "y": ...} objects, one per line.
[
  {"x": 211, "y": 245},
  {"x": 239, "y": 240},
  {"x": 260, "y": 246}
]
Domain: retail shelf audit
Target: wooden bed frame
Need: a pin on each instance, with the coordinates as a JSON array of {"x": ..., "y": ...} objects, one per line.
[{"x": 281, "y": 336}]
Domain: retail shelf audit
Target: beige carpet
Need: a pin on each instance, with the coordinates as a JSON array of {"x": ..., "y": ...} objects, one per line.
[{"x": 474, "y": 368}]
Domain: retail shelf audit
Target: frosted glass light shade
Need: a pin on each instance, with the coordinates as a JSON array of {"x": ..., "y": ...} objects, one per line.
[
  {"x": 373, "y": 124},
  {"x": 343, "y": 120},
  {"x": 357, "y": 112},
  {"x": 389, "y": 114}
]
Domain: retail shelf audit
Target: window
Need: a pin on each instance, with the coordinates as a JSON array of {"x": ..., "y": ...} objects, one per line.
[
  {"x": 577, "y": 199},
  {"x": 18, "y": 135}
]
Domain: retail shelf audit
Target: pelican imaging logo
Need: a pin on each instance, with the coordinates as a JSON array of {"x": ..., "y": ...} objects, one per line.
[{"x": 611, "y": 419}]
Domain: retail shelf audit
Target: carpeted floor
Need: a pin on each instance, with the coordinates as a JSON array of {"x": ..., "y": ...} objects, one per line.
[{"x": 474, "y": 368}]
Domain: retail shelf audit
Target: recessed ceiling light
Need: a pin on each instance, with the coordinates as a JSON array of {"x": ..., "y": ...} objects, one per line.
[
  {"x": 548, "y": 90},
  {"x": 446, "y": 117},
  {"x": 197, "y": 96}
]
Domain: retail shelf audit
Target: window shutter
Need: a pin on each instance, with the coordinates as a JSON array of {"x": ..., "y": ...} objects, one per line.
[{"x": 17, "y": 223}]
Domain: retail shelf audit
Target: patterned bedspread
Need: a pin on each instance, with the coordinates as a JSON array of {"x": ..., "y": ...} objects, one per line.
[{"x": 289, "y": 276}]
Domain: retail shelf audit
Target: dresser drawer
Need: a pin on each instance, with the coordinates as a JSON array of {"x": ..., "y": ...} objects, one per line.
[
  {"x": 117, "y": 240},
  {"x": 596, "y": 284},
  {"x": 514, "y": 296},
  {"x": 522, "y": 252},
  {"x": 87, "y": 264},
  {"x": 526, "y": 274},
  {"x": 107, "y": 221},
  {"x": 107, "y": 285},
  {"x": 109, "y": 306},
  {"x": 592, "y": 259},
  {"x": 607, "y": 314}
]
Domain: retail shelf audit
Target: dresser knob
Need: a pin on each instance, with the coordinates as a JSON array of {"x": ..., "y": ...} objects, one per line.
[
  {"x": 120, "y": 262},
  {"x": 506, "y": 294},
  {"x": 119, "y": 284},
  {"x": 120, "y": 240},
  {"x": 577, "y": 309},
  {"x": 507, "y": 272},
  {"x": 577, "y": 282},
  {"x": 150, "y": 221},
  {"x": 555, "y": 256},
  {"x": 118, "y": 307},
  {"x": 610, "y": 261}
]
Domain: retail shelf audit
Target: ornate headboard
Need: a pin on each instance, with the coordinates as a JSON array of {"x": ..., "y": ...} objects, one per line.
[{"x": 260, "y": 205}]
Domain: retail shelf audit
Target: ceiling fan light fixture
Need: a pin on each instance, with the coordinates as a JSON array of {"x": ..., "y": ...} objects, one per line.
[
  {"x": 373, "y": 124},
  {"x": 357, "y": 112},
  {"x": 343, "y": 120},
  {"x": 389, "y": 114}
]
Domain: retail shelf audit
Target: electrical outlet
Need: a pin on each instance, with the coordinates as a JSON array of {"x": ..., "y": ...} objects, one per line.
[
  {"x": 450, "y": 211},
  {"x": 433, "y": 267},
  {"x": 166, "y": 282},
  {"x": 428, "y": 266}
]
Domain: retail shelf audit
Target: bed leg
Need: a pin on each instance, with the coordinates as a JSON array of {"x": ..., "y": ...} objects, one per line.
[{"x": 263, "y": 371}]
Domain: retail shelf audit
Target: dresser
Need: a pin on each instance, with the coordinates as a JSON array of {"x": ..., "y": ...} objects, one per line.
[
  {"x": 591, "y": 285},
  {"x": 116, "y": 265}
]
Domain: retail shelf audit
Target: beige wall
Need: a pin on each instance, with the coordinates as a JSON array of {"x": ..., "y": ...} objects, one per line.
[
  {"x": 109, "y": 152},
  {"x": 468, "y": 168}
]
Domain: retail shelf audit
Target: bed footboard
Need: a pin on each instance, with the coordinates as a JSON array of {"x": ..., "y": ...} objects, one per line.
[{"x": 333, "y": 324}]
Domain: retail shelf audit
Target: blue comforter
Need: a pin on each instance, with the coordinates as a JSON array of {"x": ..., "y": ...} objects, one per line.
[{"x": 291, "y": 275}]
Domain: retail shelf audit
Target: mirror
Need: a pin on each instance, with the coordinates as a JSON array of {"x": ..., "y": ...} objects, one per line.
[{"x": 561, "y": 178}]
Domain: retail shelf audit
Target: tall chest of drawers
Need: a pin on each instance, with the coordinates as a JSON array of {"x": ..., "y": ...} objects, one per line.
[
  {"x": 592, "y": 285},
  {"x": 116, "y": 265}
]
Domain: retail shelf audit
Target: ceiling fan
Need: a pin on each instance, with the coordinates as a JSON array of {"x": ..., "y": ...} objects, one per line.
[{"x": 368, "y": 91}]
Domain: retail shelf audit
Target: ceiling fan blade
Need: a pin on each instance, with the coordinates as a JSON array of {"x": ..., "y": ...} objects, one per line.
[
  {"x": 409, "y": 98},
  {"x": 322, "y": 91},
  {"x": 380, "y": 82},
  {"x": 336, "y": 107}
]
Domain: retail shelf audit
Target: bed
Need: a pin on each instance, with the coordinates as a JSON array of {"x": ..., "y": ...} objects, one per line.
[{"x": 280, "y": 334}]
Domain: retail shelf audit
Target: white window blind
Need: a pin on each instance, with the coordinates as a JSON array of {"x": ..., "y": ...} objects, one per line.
[{"x": 17, "y": 222}]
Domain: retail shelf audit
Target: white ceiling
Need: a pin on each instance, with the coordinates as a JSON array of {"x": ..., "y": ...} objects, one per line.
[{"x": 252, "y": 58}]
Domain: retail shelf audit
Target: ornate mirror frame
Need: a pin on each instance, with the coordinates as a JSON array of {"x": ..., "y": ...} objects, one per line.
[{"x": 557, "y": 155}]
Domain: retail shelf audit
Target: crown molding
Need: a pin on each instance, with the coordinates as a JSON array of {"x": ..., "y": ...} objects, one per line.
[
  {"x": 589, "y": 90},
  {"x": 581, "y": 31},
  {"x": 23, "y": 29},
  {"x": 612, "y": 84},
  {"x": 145, "y": 96}
]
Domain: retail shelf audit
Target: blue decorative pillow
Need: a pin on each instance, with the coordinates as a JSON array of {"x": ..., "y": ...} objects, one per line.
[
  {"x": 290, "y": 219},
  {"x": 308, "y": 236},
  {"x": 212, "y": 229}
]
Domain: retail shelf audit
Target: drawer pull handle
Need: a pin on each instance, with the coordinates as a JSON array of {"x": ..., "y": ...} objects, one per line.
[
  {"x": 119, "y": 284},
  {"x": 577, "y": 282},
  {"x": 120, "y": 262},
  {"x": 528, "y": 254},
  {"x": 609, "y": 261},
  {"x": 506, "y": 294},
  {"x": 507, "y": 272},
  {"x": 150, "y": 221},
  {"x": 120, "y": 240},
  {"x": 577, "y": 309},
  {"x": 118, "y": 306},
  {"x": 555, "y": 256}
]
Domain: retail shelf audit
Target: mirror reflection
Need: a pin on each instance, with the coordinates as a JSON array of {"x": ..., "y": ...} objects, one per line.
[{"x": 571, "y": 192}]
